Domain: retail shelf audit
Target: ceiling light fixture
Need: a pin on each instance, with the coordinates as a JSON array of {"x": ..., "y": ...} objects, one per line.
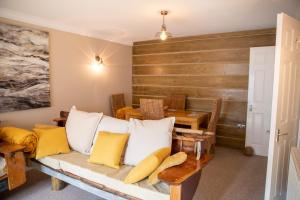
[{"x": 163, "y": 34}]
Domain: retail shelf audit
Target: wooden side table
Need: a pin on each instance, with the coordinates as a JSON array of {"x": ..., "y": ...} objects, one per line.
[{"x": 15, "y": 163}]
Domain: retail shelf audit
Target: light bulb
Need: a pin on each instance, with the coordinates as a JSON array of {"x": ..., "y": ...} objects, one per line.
[
  {"x": 100, "y": 66},
  {"x": 163, "y": 35},
  {"x": 97, "y": 67}
]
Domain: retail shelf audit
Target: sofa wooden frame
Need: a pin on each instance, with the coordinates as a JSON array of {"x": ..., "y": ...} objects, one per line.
[{"x": 182, "y": 179}]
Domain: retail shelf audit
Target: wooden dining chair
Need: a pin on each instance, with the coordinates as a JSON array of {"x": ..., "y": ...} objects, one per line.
[
  {"x": 216, "y": 111},
  {"x": 152, "y": 108},
  {"x": 176, "y": 101},
  {"x": 212, "y": 124},
  {"x": 117, "y": 101}
]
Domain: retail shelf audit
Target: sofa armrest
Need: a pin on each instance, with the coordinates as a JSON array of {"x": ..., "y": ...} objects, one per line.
[{"x": 178, "y": 174}]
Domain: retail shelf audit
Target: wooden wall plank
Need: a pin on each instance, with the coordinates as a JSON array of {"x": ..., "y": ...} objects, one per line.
[
  {"x": 231, "y": 131},
  {"x": 226, "y": 55},
  {"x": 237, "y": 143},
  {"x": 203, "y": 68},
  {"x": 198, "y": 45},
  {"x": 194, "y": 69},
  {"x": 200, "y": 92},
  {"x": 269, "y": 31},
  {"x": 237, "y": 82}
]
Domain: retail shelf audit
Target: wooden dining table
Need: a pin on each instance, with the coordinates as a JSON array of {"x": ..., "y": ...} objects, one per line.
[{"x": 182, "y": 117}]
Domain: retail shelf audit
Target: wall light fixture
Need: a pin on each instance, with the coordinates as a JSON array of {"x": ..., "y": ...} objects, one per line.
[{"x": 98, "y": 64}]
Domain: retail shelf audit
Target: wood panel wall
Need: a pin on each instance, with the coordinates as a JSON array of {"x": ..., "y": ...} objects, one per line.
[{"x": 202, "y": 67}]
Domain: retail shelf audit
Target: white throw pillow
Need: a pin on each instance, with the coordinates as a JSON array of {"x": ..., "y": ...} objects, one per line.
[
  {"x": 81, "y": 127},
  {"x": 112, "y": 125},
  {"x": 146, "y": 137}
]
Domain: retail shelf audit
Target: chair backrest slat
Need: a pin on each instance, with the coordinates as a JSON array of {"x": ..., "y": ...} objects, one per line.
[
  {"x": 152, "y": 108},
  {"x": 217, "y": 104},
  {"x": 117, "y": 101}
]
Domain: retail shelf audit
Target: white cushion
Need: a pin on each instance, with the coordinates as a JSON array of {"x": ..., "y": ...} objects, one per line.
[
  {"x": 76, "y": 163},
  {"x": 51, "y": 161},
  {"x": 112, "y": 125},
  {"x": 81, "y": 128},
  {"x": 146, "y": 137}
]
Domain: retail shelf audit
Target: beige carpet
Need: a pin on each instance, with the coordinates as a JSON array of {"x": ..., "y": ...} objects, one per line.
[
  {"x": 233, "y": 176},
  {"x": 230, "y": 176}
]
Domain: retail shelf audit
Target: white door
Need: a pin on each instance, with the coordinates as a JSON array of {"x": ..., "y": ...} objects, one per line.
[
  {"x": 285, "y": 105},
  {"x": 261, "y": 75}
]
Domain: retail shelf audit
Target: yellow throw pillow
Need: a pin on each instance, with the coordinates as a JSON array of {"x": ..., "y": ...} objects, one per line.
[
  {"x": 108, "y": 149},
  {"x": 147, "y": 166},
  {"x": 171, "y": 161},
  {"x": 46, "y": 126},
  {"x": 51, "y": 141}
]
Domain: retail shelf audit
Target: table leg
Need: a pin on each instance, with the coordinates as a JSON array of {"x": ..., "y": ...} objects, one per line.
[
  {"x": 195, "y": 126},
  {"x": 16, "y": 171}
]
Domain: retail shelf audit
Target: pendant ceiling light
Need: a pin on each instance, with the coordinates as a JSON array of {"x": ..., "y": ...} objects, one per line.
[{"x": 163, "y": 34}]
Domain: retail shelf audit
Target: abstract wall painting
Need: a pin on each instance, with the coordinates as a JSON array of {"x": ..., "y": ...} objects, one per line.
[{"x": 24, "y": 68}]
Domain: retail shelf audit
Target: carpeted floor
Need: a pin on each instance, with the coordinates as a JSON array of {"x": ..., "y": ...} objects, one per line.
[{"x": 229, "y": 176}]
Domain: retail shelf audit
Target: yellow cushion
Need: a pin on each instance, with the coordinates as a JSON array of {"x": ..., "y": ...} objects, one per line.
[
  {"x": 171, "y": 161},
  {"x": 121, "y": 113},
  {"x": 40, "y": 126},
  {"x": 147, "y": 166},
  {"x": 51, "y": 141},
  {"x": 108, "y": 149}
]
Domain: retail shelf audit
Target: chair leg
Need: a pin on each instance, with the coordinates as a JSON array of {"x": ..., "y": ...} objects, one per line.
[
  {"x": 210, "y": 146},
  {"x": 211, "y": 149},
  {"x": 57, "y": 184}
]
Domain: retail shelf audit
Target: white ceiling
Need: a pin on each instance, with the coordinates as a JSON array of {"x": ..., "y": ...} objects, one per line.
[{"x": 125, "y": 21}]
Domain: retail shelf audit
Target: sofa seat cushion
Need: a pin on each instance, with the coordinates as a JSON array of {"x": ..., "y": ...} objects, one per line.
[
  {"x": 52, "y": 161},
  {"x": 77, "y": 164}
]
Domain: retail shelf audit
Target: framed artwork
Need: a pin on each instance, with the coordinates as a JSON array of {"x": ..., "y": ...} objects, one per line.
[{"x": 24, "y": 68}]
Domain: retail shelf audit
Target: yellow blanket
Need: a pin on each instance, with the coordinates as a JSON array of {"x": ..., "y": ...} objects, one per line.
[
  {"x": 20, "y": 136},
  {"x": 121, "y": 113}
]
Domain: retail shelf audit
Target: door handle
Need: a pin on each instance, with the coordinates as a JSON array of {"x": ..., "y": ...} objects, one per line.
[
  {"x": 250, "y": 108},
  {"x": 279, "y": 134},
  {"x": 241, "y": 125}
]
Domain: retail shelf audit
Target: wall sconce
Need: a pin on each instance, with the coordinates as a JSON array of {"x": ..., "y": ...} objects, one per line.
[{"x": 98, "y": 64}]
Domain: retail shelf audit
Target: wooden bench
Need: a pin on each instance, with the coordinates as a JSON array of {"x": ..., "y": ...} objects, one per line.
[{"x": 182, "y": 179}]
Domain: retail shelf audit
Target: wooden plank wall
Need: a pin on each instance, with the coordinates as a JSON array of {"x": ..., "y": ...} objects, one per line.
[{"x": 202, "y": 67}]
